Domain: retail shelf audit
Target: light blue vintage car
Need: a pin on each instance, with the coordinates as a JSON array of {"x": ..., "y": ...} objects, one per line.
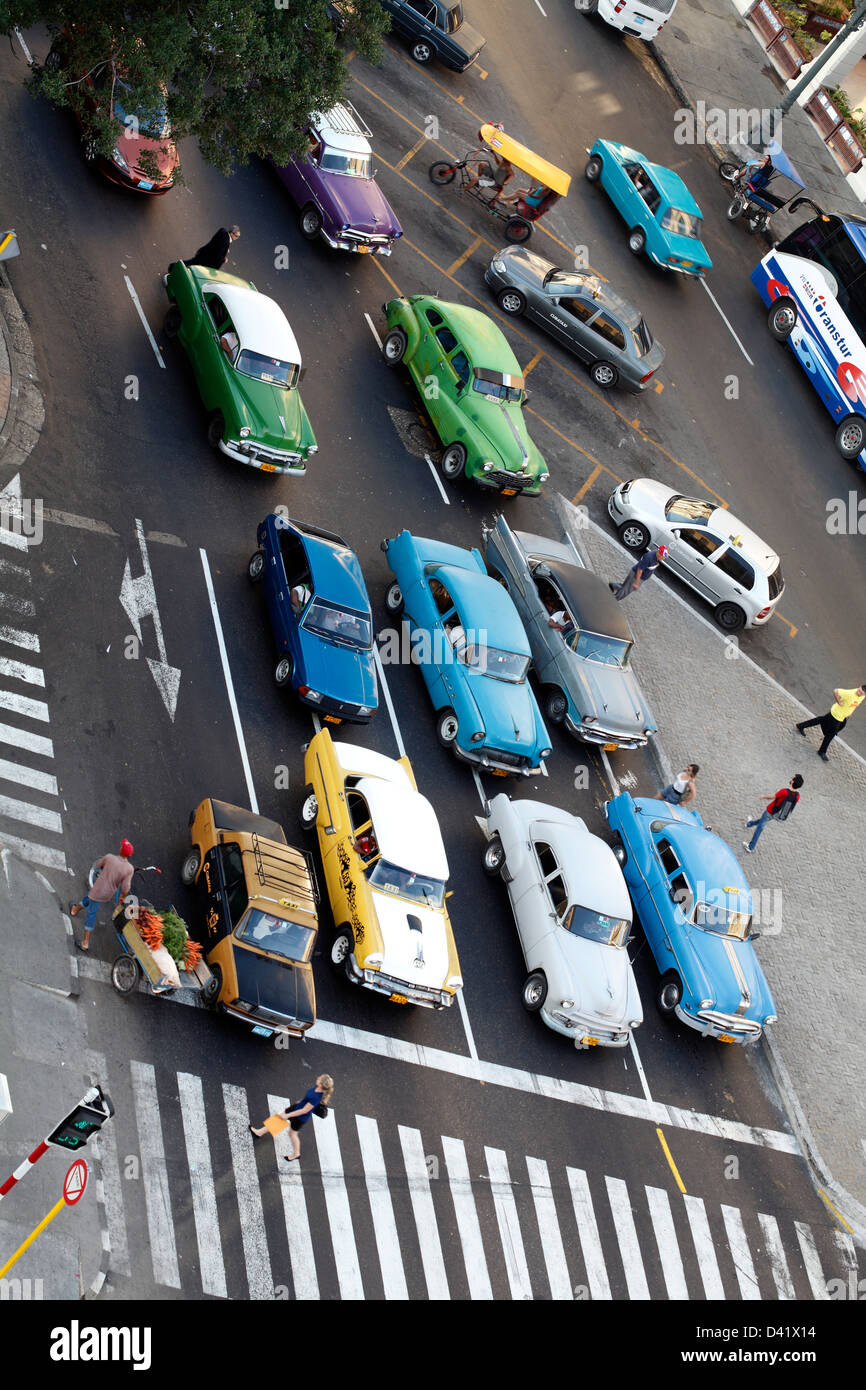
[
  {"x": 474, "y": 656},
  {"x": 695, "y": 908},
  {"x": 662, "y": 216}
]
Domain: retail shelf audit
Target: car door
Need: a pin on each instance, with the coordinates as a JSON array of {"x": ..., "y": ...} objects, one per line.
[
  {"x": 544, "y": 899},
  {"x": 213, "y": 366},
  {"x": 690, "y": 551},
  {"x": 608, "y": 337},
  {"x": 643, "y": 198},
  {"x": 435, "y": 605},
  {"x": 411, "y": 17},
  {"x": 569, "y": 322},
  {"x": 730, "y": 576},
  {"x": 299, "y": 174},
  {"x": 549, "y": 652}
]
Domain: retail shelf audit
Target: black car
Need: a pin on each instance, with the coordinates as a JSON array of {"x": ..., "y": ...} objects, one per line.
[{"x": 435, "y": 29}]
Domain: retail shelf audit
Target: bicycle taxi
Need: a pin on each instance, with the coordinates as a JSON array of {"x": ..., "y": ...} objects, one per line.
[
  {"x": 763, "y": 186},
  {"x": 486, "y": 174}
]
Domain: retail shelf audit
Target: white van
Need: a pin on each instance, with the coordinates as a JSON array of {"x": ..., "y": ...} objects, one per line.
[{"x": 635, "y": 17}]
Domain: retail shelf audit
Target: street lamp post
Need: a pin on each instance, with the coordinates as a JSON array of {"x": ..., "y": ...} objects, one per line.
[{"x": 858, "y": 15}]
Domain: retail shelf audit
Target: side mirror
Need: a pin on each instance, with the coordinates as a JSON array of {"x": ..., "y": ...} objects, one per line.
[
  {"x": 526, "y": 398},
  {"x": 302, "y": 373},
  {"x": 450, "y": 893}
]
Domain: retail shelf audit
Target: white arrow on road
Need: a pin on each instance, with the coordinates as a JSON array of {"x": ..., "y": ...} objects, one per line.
[{"x": 138, "y": 598}]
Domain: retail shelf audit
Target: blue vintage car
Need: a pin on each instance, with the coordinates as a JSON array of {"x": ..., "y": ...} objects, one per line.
[
  {"x": 469, "y": 642},
  {"x": 695, "y": 908},
  {"x": 320, "y": 614},
  {"x": 662, "y": 216}
]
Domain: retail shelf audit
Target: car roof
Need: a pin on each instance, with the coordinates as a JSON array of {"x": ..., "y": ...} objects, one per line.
[
  {"x": 355, "y": 760},
  {"x": 590, "y": 597},
  {"x": 260, "y": 322},
  {"x": 668, "y": 183},
  {"x": 707, "y": 860},
  {"x": 336, "y": 572},
  {"x": 482, "y": 600},
  {"x": 407, "y": 831},
  {"x": 747, "y": 542},
  {"x": 341, "y": 130},
  {"x": 481, "y": 337},
  {"x": 597, "y": 882}
]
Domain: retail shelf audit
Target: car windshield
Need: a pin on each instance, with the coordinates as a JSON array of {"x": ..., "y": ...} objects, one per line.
[
  {"x": 339, "y": 162},
  {"x": 594, "y": 926},
  {"x": 642, "y": 338},
  {"x": 723, "y": 921},
  {"x": 593, "y": 646},
  {"x": 419, "y": 888},
  {"x": 568, "y": 280},
  {"x": 153, "y": 123},
  {"x": 688, "y": 509},
  {"x": 276, "y": 935},
  {"x": 453, "y": 18},
  {"x": 682, "y": 223},
  {"x": 343, "y": 625},
  {"x": 775, "y": 581},
  {"x": 492, "y": 661},
  {"x": 485, "y": 387},
  {"x": 269, "y": 369}
]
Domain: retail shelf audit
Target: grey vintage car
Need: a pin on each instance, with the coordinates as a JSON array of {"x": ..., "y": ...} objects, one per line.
[
  {"x": 579, "y": 637},
  {"x": 582, "y": 312}
]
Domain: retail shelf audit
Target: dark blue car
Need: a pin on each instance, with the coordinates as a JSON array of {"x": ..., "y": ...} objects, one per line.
[{"x": 320, "y": 614}]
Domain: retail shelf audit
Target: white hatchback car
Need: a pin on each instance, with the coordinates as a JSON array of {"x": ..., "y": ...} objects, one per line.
[
  {"x": 573, "y": 915},
  {"x": 635, "y": 17},
  {"x": 708, "y": 548}
]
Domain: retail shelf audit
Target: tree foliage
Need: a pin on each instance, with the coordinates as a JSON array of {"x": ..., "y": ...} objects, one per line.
[{"x": 240, "y": 76}]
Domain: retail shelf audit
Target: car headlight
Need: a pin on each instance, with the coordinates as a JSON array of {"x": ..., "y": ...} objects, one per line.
[
  {"x": 119, "y": 159},
  {"x": 543, "y": 477},
  {"x": 478, "y": 737},
  {"x": 313, "y": 449},
  {"x": 771, "y": 1018},
  {"x": 365, "y": 709},
  {"x": 706, "y": 1004},
  {"x": 546, "y": 752},
  {"x": 648, "y": 733},
  {"x": 374, "y": 961},
  {"x": 487, "y": 466},
  {"x": 590, "y": 719},
  {"x": 634, "y": 1023},
  {"x": 308, "y": 694},
  {"x": 454, "y": 982},
  {"x": 244, "y": 431},
  {"x": 498, "y": 265},
  {"x": 566, "y": 1003}
]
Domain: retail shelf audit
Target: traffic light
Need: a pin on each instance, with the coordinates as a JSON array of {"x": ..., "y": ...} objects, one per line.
[{"x": 87, "y": 1118}]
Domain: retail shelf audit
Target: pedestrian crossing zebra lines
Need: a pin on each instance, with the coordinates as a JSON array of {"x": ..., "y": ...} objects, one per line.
[{"x": 380, "y": 1210}]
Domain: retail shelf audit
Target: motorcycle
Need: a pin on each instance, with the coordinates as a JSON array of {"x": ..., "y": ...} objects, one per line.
[{"x": 756, "y": 205}]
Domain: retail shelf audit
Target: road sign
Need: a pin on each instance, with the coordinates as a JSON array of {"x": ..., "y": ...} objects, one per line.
[{"x": 75, "y": 1182}]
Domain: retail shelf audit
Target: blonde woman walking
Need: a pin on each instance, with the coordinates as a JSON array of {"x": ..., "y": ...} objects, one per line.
[{"x": 296, "y": 1118}]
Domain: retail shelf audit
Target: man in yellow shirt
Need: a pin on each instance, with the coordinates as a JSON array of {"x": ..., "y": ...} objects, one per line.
[{"x": 835, "y": 720}]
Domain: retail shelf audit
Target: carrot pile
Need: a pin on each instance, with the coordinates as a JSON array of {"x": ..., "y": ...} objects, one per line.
[
  {"x": 191, "y": 955},
  {"x": 149, "y": 928}
]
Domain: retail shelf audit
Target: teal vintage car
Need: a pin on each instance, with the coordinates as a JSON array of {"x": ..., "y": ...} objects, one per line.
[
  {"x": 247, "y": 367},
  {"x": 472, "y": 390},
  {"x": 663, "y": 218}
]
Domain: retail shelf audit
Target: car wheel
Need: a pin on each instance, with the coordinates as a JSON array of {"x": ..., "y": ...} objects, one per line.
[
  {"x": 493, "y": 857},
  {"x": 637, "y": 241},
  {"x": 736, "y": 207},
  {"x": 511, "y": 301},
  {"x": 422, "y": 52},
  {"x": 604, "y": 374},
  {"x": 851, "y": 436},
  {"x": 670, "y": 992},
  {"x": 517, "y": 229},
  {"x": 394, "y": 600},
  {"x": 213, "y": 989},
  {"x": 534, "y": 991},
  {"x": 190, "y": 866},
  {"x": 310, "y": 222},
  {"x": 442, "y": 172},
  {"x": 634, "y": 535},
  {"x": 256, "y": 566},
  {"x": 447, "y": 727},
  {"x": 216, "y": 427},
  {"x": 309, "y": 810},
  {"x": 555, "y": 705},
  {"x": 54, "y": 60},
  {"x": 394, "y": 346},
  {"x": 592, "y": 172},
  {"x": 730, "y": 617},
  {"x": 283, "y": 670},
  {"x": 782, "y": 318},
  {"x": 124, "y": 974},
  {"x": 453, "y": 461},
  {"x": 171, "y": 324},
  {"x": 341, "y": 949},
  {"x": 590, "y": 7}
]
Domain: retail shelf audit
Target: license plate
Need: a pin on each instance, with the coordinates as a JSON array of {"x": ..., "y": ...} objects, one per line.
[
  {"x": 687, "y": 264},
  {"x": 261, "y": 1032},
  {"x": 268, "y": 467},
  {"x": 363, "y": 250},
  {"x": 609, "y": 747},
  {"x": 499, "y": 772},
  {"x": 399, "y": 999},
  {"x": 509, "y": 492},
  {"x": 145, "y": 183},
  {"x": 589, "y": 1042},
  {"x": 332, "y": 719},
  {"x": 726, "y": 1037}
]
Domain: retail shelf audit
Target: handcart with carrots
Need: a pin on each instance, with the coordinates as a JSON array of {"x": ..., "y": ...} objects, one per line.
[{"x": 157, "y": 945}]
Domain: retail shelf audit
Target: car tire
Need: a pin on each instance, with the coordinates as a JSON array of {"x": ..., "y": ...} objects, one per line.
[
  {"x": 394, "y": 346},
  {"x": 54, "y": 60},
  {"x": 394, "y": 600},
  {"x": 308, "y": 814},
  {"x": 604, "y": 374},
  {"x": 216, "y": 428},
  {"x": 534, "y": 991},
  {"x": 256, "y": 565},
  {"x": 422, "y": 51},
  {"x": 730, "y": 617},
  {"x": 213, "y": 989},
  {"x": 637, "y": 241},
  {"x": 555, "y": 704},
  {"x": 341, "y": 949},
  {"x": 851, "y": 436},
  {"x": 447, "y": 727},
  {"x": 442, "y": 172},
  {"x": 190, "y": 866},
  {"x": 634, "y": 535},
  {"x": 284, "y": 670},
  {"x": 124, "y": 973},
  {"x": 592, "y": 172},
  {"x": 453, "y": 461},
  {"x": 517, "y": 230},
  {"x": 590, "y": 7},
  {"x": 493, "y": 858},
  {"x": 171, "y": 324},
  {"x": 310, "y": 222},
  {"x": 669, "y": 993},
  {"x": 511, "y": 301},
  {"x": 782, "y": 318}
]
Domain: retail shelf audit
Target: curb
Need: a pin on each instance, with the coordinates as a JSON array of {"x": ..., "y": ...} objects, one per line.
[
  {"x": 74, "y": 977},
  {"x": 22, "y": 427}
]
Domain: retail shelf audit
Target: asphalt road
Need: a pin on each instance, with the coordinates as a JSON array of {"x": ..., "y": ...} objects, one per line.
[{"x": 125, "y": 767}]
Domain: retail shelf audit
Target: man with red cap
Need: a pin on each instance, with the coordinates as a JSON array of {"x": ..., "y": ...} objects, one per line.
[
  {"x": 641, "y": 572},
  {"x": 115, "y": 878}
]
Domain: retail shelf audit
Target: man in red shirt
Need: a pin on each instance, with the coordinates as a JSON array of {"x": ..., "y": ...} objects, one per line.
[
  {"x": 779, "y": 807},
  {"x": 114, "y": 879}
]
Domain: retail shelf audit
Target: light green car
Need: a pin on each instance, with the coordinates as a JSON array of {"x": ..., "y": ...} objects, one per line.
[
  {"x": 472, "y": 389},
  {"x": 247, "y": 367}
]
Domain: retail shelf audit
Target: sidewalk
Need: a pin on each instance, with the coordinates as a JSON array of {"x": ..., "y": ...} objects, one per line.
[
  {"x": 717, "y": 707},
  {"x": 709, "y": 54},
  {"x": 22, "y": 411},
  {"x": 42, "y": 1040}
]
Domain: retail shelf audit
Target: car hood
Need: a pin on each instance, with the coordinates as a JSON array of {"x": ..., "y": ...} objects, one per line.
[
  {"x": 504, "y": 428},
  {"x": 512, "y": 720},
  {"x": 132, "y": 147},
  {"x": 731, "y": 972},
  {"x": 360, "y": 204},
  {"x": 265, "y": 407},
  {"x": 602, "y": 982},
  {"x": 284, "y": 986},
  {"x": 340, "y": 672},
  {"x": 612, "y": 694},
  {"x": 414, "y": 941}
]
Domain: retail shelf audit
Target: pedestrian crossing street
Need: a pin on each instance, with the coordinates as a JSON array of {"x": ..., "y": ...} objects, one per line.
[
  {"x": 31, "y": 823},
  {"x": 379, "y": 1210}
]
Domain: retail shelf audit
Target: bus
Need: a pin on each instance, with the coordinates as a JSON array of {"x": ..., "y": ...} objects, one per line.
[{"x": 814, "y": 284}]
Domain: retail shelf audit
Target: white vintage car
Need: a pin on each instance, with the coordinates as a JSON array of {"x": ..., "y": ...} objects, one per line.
[{"x": 573, "y": 915}]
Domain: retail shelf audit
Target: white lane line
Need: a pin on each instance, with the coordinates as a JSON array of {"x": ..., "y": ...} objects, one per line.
[
  {"x": 22, "y": 738},
  {"x": 809, "y": 1251},
  {"x": 27, "y": 54},
  {"x": 386, "y": 690},
  {"x": 150, "y": 338},
  {"x": 776, "y": 1255},
  {"x": 466, "y": 1216},
  {"x": 248, "y": 1192},
  {"x": 614, "y": 784},
  {"x": 154, "y": 1172},
  {"x": 338, "y": 1209},
  {"x": 109, "y": 1166},
  {"x": 305, "y": 1283},
  {"x": 640, "y": 1071},
  {"x": 204, "y": 1201},
  {"x": 22, "y": 704},
  {"x": 28, "y": 777},
  {"x": 35, "y": 854},
  {"x": 24, "y": 606},
  {"x": 666, "y": 1240},
  {"x": 552, "y": 1247},
  {"x": 726, "y": 320},
  {"x": 626, "y": 1235},
  {"x": 227, "y": 676},
  {"x": 445, "y": 498},
  {"x": 544, "y": 771},
  {"x": 587, "y": 1230},
  {"x": 467, "y": 1028},
  {"x": 509, "y": 1226},
  {"x": 704, "y": 1249},
  {"x": 381, "y": 1209},
  {"x": 741, "y": 1254},
  {"x": 372, "y": 328},
  {"x": 31, "y": 815},
  {"x": 79, "y": 523},
  {"x": 538, "y": 3},
  {"x": 21, "y": 671},
  {"x": 16, "y": 637},
  {"x": 424, "y": 1212}
]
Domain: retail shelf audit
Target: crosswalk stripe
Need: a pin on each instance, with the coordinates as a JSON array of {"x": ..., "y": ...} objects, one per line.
[
  {"x": 301, "y": 1253},
  {"x": 587, "y": 1230},
  {"x": 31, "y": 815},
  {"x": 112, "y": 1186},
  {"x": 246, "y": 1176},
  {"x": 845, "y": 1242},
  {"x": 381, "y": 1209},
  {"x": 25, "y": 606},
  {"x": 776, "y": 1255},
  {"x": 163, "y": 1251},
  {"x": 21, "y": 671},
  {"x": 339, "y": 1211},
  {"x": 204, "y": 1202},
  {"x": 17, "y": 571},
  {"x": 22, "y": 704},
  {"x": 509, "y": 1227},
  {"x": 17, "y": 637},
  {"x": 22, "y": 738},
  {"x": 28, "y": 777},
  {"x": 666, "y": 1240},
  {"x": 809, "y": 1251},
  {"x": 424, "y": 1212},
  {"x": 742, "y": 1256},
  {"x": 16, "y": 540},
  {"x": 548, "y": 1229},
  {"x": 626, "y": 1235},
  {"x": 468, "y": 1228},
  {"x": 704, "y": 1249},
  {"x": 35, "y": 854}
]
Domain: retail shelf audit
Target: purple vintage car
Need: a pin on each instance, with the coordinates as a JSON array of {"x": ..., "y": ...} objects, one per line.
[{"x": 333, "y": 186}]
